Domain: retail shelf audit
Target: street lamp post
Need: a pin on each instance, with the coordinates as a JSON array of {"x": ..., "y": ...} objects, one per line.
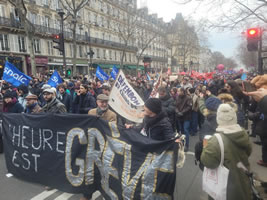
[
  {"x": 90, "y": 53},
  {"x": 63, "y": 69}
]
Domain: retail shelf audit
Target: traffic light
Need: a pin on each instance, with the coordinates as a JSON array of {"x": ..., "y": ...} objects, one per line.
[
  {"x": 59, "y": 40},
  {"x": 253, "y": 37},
  {"x": 68, "y": 72},
  {"x": 91, "y": 53}
]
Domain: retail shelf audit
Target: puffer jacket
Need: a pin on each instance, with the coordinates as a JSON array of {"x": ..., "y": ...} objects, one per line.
[
  {"x": 54, "y": 106},
  {"x": 157, "y": 128},
  {"x": 237, "y": 148}
]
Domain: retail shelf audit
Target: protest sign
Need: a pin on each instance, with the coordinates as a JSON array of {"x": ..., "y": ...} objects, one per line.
[
  {"x": 125, "y": 100},
  {"x": 82, "y": 154}
]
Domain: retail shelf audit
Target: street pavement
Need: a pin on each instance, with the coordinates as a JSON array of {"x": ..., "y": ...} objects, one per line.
[{"x": 188, "y": 182}]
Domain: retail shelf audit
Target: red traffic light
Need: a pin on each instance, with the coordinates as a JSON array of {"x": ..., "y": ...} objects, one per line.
[
  {"x": 253, "y": 32},
  {"x": 56, "y": 36}
]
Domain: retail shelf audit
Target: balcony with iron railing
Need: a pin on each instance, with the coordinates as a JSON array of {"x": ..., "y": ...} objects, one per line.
[{"x": 39, "y": 29}]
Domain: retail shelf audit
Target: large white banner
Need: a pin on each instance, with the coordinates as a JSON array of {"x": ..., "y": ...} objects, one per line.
[{"x": 125, "y": 101}]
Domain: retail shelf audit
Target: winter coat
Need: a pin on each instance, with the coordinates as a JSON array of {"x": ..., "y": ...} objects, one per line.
[
  {"x": 66, "y": 100},
  {"x": 168, "y": 106},
  {"x": 108, "y": 115},
  {"x": 85, "y": 103},
  {"x": 237, "y": 148},
  {"x": 263, "y": 105},
  {"x": 210, "y": 124},
  {"x": 35, "y": 109},
  {"x": 157, "y": 128},
  {"x": 54, "y": 106},
  {"x": 184, "y": 106},
  {"x": 140, "y": 91},
  {"x": 13, "y": 107}
]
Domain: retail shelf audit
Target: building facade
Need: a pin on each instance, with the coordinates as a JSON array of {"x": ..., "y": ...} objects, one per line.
[{"x": 98, "y": 28}]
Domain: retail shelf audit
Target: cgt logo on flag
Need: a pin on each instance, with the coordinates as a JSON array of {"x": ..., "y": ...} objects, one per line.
[
  {"x": 55, "y": 79},
  {"x": 14, "y": 76}
]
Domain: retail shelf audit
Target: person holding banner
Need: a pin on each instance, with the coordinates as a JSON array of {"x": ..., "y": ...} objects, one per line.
[{"x": 156, "y": 124}]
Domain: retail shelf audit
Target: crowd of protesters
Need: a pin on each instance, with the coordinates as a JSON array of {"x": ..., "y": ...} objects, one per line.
[{"x": 186, "y": 105}]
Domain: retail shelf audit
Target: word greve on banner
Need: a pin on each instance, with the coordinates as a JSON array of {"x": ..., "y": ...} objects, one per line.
[
  {"x": 83, "y": 154},
  {"x": 125, "y": 100}
]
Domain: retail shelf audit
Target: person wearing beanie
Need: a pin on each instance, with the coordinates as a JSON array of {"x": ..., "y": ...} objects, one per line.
[
  {"x": 156, "y": 124},
  {"x": 11, "y": 104},
  {"x": 237, "y": 148}
]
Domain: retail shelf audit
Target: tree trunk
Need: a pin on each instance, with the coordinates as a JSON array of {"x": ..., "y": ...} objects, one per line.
[
  {"x": 122, "y": 59},
  {"x": 74, "y": 49},
  {"x": 32, "y": 56}
]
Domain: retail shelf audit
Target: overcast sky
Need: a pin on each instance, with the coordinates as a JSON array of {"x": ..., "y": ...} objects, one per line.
[{"x": 225, "y": 42}]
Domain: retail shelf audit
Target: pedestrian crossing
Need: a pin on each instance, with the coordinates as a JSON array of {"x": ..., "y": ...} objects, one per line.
[{"x": 58, "y": 195}]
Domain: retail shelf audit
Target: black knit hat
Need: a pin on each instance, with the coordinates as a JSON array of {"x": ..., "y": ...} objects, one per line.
[
  {"x": 8, "y": 94},
  {"x": 23, "y": 88},
  {"x": 154, "y": 105}
]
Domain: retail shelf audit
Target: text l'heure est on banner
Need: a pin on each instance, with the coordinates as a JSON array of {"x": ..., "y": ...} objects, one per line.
[
  {"x": 125, "y": 100},
  {"x": 83, "y": 154}
]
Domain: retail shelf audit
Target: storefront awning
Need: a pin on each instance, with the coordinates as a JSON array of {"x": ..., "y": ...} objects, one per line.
[
  {"x": 107, "y": 66},
  {"x": 140, "y": 67}
]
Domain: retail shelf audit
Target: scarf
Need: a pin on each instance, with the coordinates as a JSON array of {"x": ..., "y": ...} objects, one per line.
[
  {"x": 100, "y": 112},
  {"x": 151, "y": 121}
]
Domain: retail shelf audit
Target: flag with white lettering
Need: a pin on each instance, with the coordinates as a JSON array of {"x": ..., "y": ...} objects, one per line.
[
  {"x": 114, "y": 72},
  {"x": 101, "y": 75},
  {"x": 14, "y": 76},
  {"x": 55, "y": 79},
  {"x": 83, "y": 153},
  {"x": 125, "y": 100}
]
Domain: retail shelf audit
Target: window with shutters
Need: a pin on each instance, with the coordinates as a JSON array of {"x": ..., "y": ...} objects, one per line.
[
  {"x": 110, "y": 54},
  {"x": 22, "y": 46},
  {"x": 4, "y": 42},
  {"x": 104, "y": 53}
]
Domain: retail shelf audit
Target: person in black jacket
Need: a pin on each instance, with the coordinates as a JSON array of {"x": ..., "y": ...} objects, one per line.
[
  {"x": 261, "y": 97},
  {"x": 11, "y": 104},
  {"x": 84, "y": 100},
  {"x": 64, "y": 97},
  {"x": 168, "y": 105},
  {"x": 156, "y": 124}
]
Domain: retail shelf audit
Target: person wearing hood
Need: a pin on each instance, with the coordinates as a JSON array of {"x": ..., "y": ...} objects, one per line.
[
  {"x": 237, "y": 148},
  {"x": 11, "y": 104},
  {"x": 167, "y": 103},
  {"x": 23, "y": 91},
  {"x": 103, "y": 110},
  {"x": 53, "y": 105}
]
